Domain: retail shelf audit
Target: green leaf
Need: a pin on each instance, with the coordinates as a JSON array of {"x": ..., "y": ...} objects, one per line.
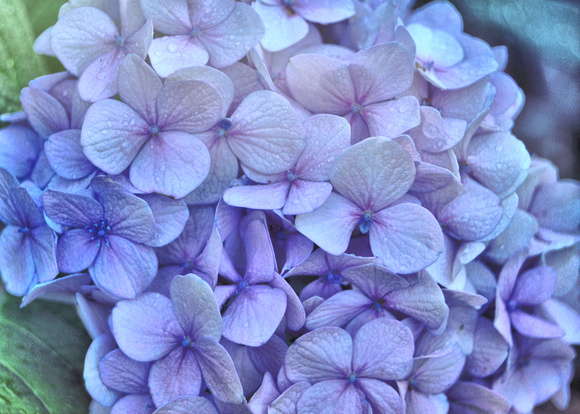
[
  {"x": 18, "y": 61},
  {"x": 42, "y": 349}
]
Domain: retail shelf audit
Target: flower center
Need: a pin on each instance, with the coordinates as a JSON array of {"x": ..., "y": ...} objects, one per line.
[
  {"x": 352, "y": 378},
  {"x": 365, "y": 222},
  {"x": 23, "y": 230},
  {"x": 195, "y": 31},
  {"x": 119, "y": 40},
  {"x": 225, "y": 124},
  {"x": 334, "y": 278},
  {"x": 243, "y": 285},
  {"x": 186, "y": 343},
  {"x": 512, "y": 305},
  {"x": 356, "y": 108},
  {"x": 154, "y": 130},
  {"x": 100, "y": 231},
  {"x": 290, "y": 176}
]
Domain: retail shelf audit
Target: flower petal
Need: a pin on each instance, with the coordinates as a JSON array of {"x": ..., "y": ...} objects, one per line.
[
  {"x": 334, "y": 396},
  {"x": 65, "y": 155},
  {"x": 171, "y": 53},
  {"x": 71, "y": 209},
  {"x": 306, "y": 196},
  {"x": 121, "y": 373},
  {"x": 76, "y": 251},
  {"x": 129, "y": 216},
  {"x": 392, "y": 118},
  {"x": 264, "y": 197},
  {"x": 44, "y": 112},
  {"x": 338, "y": 310}
]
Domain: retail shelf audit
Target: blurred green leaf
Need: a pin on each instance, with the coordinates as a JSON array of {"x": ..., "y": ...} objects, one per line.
[
  {"x": 42, "y": 350},
  {"x": 18, "y": 61}
]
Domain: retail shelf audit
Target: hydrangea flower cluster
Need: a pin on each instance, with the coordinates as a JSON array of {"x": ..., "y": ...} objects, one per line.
[{"x": 291, "y": 206}]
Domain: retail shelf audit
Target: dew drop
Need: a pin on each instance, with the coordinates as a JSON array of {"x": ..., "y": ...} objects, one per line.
[
  {"x": 101, "y": 76},
  {"x": 162, "y": 168},
  {"x": 172, "y": 47},
  {"x": 132, "y": 121},
  {"x": 109, "y": 124},
  {"x": 105, "y": 131}
]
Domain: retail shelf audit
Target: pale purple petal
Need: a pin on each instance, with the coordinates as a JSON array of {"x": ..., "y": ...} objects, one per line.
[
  {"x": 323, "y": 354},
  {"x": 194, "y": 306},
  {"x": 173, "y": 163},
  {"x": 489, "y": 351},
  {"x": 384, "y": 173},
  {"x": 219, "y": 372},
  {"x": 266, "y": 134},
  {"x": 533, "y": 326},
  {"x": 171, "y": 53},
  {"x": 535, "y": 286},
  {"x": 383, "y": 349},
  {"x": 382, "y": 397},
  {"x": 373, "y": 280},
  {"x": 65, "y": 155},
  {"x": 472, "y": 398},
  {"x": 146, "y": 328},
  {"x": 100, "y": 347},
  {"x": 406, "y": 238},
  {"x": 321, "y": 84},
  {"x": 254, "y": 315},
  {"x": 177, "y": 374},
  {"x": 121, "y": 373},
  {"x": 70, "y": 209},
  {"x": 81, "y": 36},
  {"x": 99, "y": 80},
  {"x": 170, "y": 218},
  {"x": 338, "y": 310},
  {"x": 169, "y": 16},
  {"x": 330, "y": 226},
  {"x": 230, "y": 40},
  {"x": 325, "y": 11},
  {"x": 392, "y": 118},
  {"x": 328, "y": 137},
  {"x": 62, "y": 289},
  {"x": 129, "y": 216},
  {"x": 281, "y": 30},
  {"x": 123, "y": 268},
  {"x": 264, "y": 197},
  {"x": 381, "y": 72},
  {"x": 188, "y": 404},
  {"x": 556, "y": 206},
  {"x": 112, "y": 142},
  {"x": 260, "y": 259},
  {"x": 139, "y": 86},
  {"x": 44, "y": 112},
  {"x": 76, "y": 251},
  {"x": 333, "y": 396},
  {"x": 295, "y": 314},
  {"x": 188, "y": 106},
  {"x": 286, "y": 402},
  {"x": 306, "y": 196}
]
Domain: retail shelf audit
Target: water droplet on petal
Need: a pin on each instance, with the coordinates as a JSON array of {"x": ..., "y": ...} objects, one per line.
[
  {"x": 172, "y": 47},
  {"x": 109, "y": 124},
  {"x": 101, "y": 76}
]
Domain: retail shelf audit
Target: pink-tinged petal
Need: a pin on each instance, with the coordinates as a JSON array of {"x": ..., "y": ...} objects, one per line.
[
  {"x": 121, "y": 373},
  {"x": 99, "y": 80},
  {"x": 533, "y": 326},
  {"x": 266, "y": 134},
  {"x": 392, "y": 118},
  {"x": 44, "y": 112},
  {"x": 436, "y": 46},
  {"x": 473, "y": 214},
  {"x": 171, "y": 53},
  {"x": 323, "y": 354},
  {"x": 139, "y": 86},
  {"x": 535, "y": 286},
  {"x": 359, "y": 129},
  {"x": 557, "y": 206},
  {"x": 219, "y": 372},
  {"x": 328, "y": 136},
  {"x": 338, "y": 310},
  {"x": 381, "y": 72},
  {"x": 65, "y": 155},
  {"x": 223, "y": 169},
  {"x": 188, "y": 404},
  {"x": 382, "y": 397},
  {"x": 437, "y": 134},
  {"x": 129, "y": 216},
  {"x": 76, "y": 251},
  {"x": 245, "y": 79},
  {"x": 423, "y": 300},
  {"x": 100, "y": 347},
  {"x": 188, "y": 106},
  {"x": 472, "y": 398},
  {"x": 331, "y": 397},
  {"x": 254, "y": 315},
  {"x": 383, "y": 172},
  {"x": 177, "y": 374},
  {"x": 325, "y": 11},
  {"x": 216, "y": 78},
  {"x": 264, "y": 197},
  {"x": 109, "y": 141},
  {"x": 122, "y": 268},
  {"x": 321, "y": 84},
  {"x": 169, "y": 17},
  {"x": 295, "y": 314},
  {"x": 173, "y": 164},
  {"x": 489, "y": 352},
  {"x": 71, "y": 209},
  {"x": 331, "y": 225},
  {"x": 286, "y": 402},
  {"x": 496, "y": 161},
  {"x": 81, "y": 36},
  {"x": 194, "y": 306},
  {"x": 170, "y": 218},
  {"x": 281, "y": 30},
  {"x": 383, "y": 349},
  {"x": 146, "y": 328},
  {"x": 406, "y": 238},
  {"x": 306, "y": 196},
  {"x": 230, "y": 40}
]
